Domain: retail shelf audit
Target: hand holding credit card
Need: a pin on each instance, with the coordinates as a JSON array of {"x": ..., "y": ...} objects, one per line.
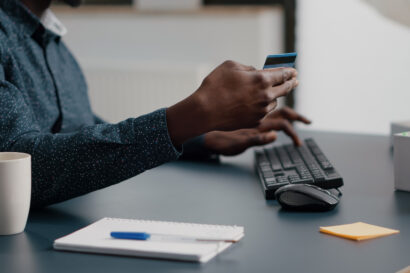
[{"x": 233, "y": 96}]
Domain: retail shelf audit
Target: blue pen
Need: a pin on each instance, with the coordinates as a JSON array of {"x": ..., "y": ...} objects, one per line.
[
  {"x": 130, "y": 235},
  {"x": 145, "y": 236}
]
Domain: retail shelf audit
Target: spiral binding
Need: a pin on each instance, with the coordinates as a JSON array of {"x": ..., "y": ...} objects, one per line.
[{"x": 208, "y": 226}]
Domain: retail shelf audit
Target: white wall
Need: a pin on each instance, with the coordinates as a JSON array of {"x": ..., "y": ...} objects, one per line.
[
  {"x": 209, "y": 36},
  {"x": 138, "y": 62},
  {"x": 354, "y": 66},
  {"x": 129, "y": 89}
]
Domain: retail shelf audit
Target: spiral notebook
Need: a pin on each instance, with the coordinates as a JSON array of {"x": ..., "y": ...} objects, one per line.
[{"x": 96, "y": 238}]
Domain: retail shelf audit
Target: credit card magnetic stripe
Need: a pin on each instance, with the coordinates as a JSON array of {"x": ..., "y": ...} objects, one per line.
[{"x": 280, "y": 60}]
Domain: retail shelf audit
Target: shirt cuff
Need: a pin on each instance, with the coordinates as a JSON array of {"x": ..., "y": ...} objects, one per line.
[{"x": 157, "y": 142}]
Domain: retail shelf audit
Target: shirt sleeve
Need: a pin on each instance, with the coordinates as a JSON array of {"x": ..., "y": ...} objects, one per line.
[{"x": 67, "y": 165}]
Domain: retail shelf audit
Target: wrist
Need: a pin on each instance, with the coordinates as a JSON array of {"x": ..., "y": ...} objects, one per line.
[
  {"x": 210, "y": 142},
  {"x": 187, "y": 119}
]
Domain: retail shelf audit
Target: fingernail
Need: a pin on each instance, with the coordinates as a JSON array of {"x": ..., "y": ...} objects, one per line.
[{"x": 296, "y": 82}]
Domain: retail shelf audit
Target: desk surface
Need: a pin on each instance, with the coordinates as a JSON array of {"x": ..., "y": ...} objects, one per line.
[{"x": 229, "y": 193}]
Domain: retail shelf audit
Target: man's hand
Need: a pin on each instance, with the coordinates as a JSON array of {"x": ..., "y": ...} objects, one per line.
[
  {"x": 231, "y": 97},
  {"x": 235, "y": 142}
]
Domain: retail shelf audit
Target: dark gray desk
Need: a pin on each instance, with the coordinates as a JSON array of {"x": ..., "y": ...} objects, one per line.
[{"x": 229, "y": 193}]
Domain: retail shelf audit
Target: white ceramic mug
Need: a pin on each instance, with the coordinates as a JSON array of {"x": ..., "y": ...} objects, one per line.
[{"x": 15, "y": 191}]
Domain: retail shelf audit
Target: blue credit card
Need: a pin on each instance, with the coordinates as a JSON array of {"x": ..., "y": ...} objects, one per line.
[{"x": 280, "y": 60}]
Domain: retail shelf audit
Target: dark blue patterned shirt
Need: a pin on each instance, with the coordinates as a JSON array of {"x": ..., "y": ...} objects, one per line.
[{"x": 45, "y": 111}]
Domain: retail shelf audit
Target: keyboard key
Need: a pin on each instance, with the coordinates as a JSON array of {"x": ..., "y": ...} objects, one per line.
[
  {"x": 265, "y": 168},
  {"x": 326, "y": 165},
  {"x": 293, "y": 177},
  {"x": 274, "y": 160},
  {"x": 282, "y": 179},
  {"x": 284, "y": 158},
  {"x": 301, "y": 181},
  {"x": 304, "y": 172},
  {"x": 268, "y": 174},
  {"x": 319, "y": 178},
  {"x": 294, "y": 154},
  {"x": 270, "y": 180}
]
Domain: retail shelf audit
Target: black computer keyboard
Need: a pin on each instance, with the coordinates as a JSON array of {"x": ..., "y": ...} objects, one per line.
[{"x": 287, "y": 164}]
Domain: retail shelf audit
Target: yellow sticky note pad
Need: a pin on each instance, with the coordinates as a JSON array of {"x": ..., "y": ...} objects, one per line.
[{"x": 358, "y": 231}]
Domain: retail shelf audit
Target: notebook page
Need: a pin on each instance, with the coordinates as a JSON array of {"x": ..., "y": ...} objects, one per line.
[{"x": 96, "y": 238}]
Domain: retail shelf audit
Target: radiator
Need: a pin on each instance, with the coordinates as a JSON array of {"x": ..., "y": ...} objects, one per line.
[{"x": 119, "y": 90}]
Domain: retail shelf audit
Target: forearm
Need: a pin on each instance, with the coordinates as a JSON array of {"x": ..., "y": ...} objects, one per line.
[
  {"x": 187, "y": 119},
  {"x": 69, "y": 165}
]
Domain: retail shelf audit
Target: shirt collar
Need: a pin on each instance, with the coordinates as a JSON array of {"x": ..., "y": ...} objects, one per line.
[{"x": 51, "y": 22}]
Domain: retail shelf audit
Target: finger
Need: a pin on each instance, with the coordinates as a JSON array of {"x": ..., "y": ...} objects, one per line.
[
  {"x": 268, "y": 137},
  {"x": 292, "y": 115},
  {"x": 277, "y": 76},
  {"x": 287, "y": 127},
  {"x": 283, "y": 125},
  {"x": 271, "y": 106},
  {"x": 267, "y": 124},
  {"x": 261, "y": 139},
  {"x": 283, "y": 89}
]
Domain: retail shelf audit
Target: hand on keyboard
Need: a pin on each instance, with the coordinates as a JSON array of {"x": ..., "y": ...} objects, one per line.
[
  {"x": 282, "y": 120},
  {"x": 235, "y": 142}
]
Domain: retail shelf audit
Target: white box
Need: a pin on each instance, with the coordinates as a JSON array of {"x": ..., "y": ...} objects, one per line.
[
  {"x": 402, "y": 161},
  {"x": 398, "y": 127}
]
